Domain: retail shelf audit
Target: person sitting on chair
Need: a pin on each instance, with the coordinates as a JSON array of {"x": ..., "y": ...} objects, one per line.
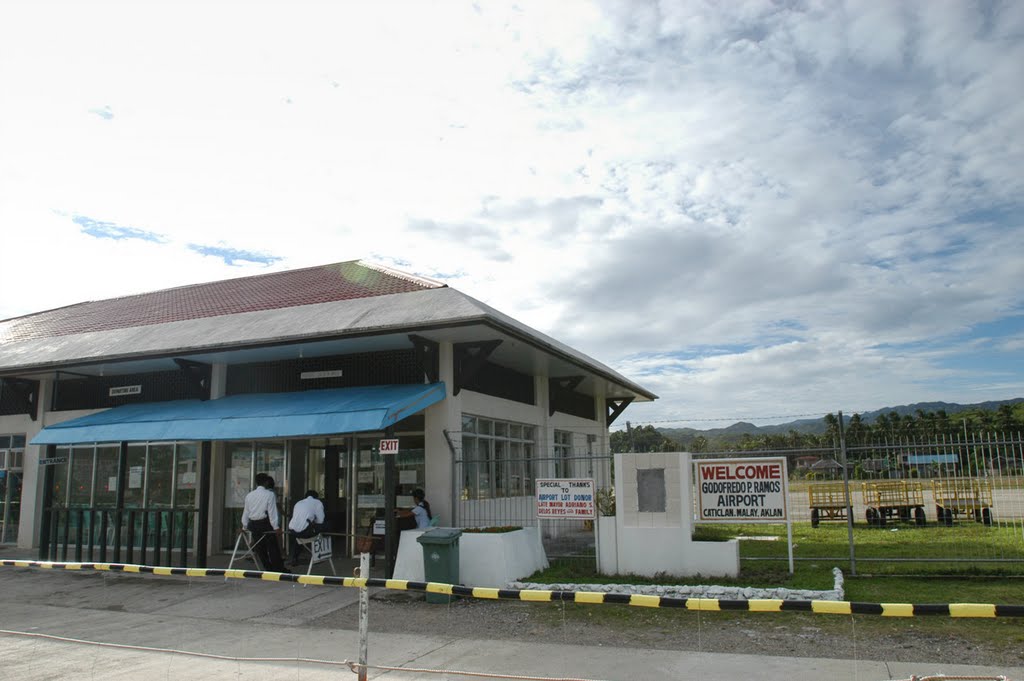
[
  {"x": 307, "y": 521},
  {"x": 420, "y": 513}
]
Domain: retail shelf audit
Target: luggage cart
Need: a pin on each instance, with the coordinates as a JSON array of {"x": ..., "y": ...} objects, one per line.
[
  {"x": 893, "y": 500},
  {"x": 963, "y": 496},
  {"x": 827, "y": 501}
]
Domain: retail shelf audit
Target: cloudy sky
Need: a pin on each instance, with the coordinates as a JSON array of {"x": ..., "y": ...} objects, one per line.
[{"x": 757, "y": 210}]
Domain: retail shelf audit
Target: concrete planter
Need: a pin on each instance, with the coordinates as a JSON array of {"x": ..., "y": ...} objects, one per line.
[{"x": 489, "y": 560}]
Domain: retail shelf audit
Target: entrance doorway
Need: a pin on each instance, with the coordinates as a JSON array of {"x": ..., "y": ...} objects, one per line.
[{"x": 350, "y": 473}]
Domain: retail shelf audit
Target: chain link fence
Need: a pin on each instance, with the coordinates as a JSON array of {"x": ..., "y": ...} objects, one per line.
[{"x": 944, "y": 505}]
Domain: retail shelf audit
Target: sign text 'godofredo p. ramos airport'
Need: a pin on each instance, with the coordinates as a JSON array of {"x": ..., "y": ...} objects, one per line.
[{"x": 741, "y": 490}]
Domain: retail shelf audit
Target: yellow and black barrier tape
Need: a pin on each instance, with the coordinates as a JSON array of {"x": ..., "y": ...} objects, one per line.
[{"x": 544, "y": 596}]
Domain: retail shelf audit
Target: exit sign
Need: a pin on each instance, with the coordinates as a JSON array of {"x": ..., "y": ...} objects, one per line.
[{"x": 389, "y": 446}]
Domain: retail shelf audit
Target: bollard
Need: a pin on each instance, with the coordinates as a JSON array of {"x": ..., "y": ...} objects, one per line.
[{"x": 364, "y": 614}]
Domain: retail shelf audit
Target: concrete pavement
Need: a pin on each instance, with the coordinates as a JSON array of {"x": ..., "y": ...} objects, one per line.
[{"x": 248, "y": 618}]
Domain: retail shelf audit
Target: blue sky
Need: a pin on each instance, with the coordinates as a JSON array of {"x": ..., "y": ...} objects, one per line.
[{"x": 755, "y": 209}]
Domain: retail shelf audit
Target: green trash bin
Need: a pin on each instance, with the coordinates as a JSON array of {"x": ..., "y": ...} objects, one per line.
[{"x": 440, "y": 559}]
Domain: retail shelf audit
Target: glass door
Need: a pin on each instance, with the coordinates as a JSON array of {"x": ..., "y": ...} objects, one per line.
[
  {"x": 327, "y": 472},
  {"x": 368, "y": 467}
]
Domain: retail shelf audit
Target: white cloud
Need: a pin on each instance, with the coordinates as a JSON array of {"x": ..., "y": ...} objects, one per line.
[{"x": 797, "y": 199}]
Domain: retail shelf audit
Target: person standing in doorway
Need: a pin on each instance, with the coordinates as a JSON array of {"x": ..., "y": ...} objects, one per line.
[
  {"x": 260, "y": 517},
  {"x": 419, "y": 516}
]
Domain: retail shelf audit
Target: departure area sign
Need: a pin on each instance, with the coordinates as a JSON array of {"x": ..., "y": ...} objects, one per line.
[{"x": 741, "y": 490}]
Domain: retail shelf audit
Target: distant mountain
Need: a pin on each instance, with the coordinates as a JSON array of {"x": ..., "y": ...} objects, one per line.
[{"x": 817, "y": 426}]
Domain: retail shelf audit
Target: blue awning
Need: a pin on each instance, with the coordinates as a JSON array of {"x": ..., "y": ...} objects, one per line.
[{"x": 262, "y": 416}]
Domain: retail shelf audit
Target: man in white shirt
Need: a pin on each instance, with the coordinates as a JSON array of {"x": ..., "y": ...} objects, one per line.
[
  {"x": 307, "y": 521},
  {"x": 259, "y": 516}
]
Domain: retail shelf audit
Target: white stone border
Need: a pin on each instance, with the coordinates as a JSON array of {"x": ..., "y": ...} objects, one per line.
[{"x": 723, "y": 592}]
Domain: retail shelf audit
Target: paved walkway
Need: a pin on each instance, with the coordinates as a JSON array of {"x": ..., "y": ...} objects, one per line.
[{"x": 248, "y": 618}]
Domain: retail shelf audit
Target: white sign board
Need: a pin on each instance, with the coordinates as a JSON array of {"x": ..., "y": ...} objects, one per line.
[
  {"x": 389, "y": 446},
  {"x": 125, "y": 390},
  {"x": 321, "y": 548},
  {"x": 565, "y": 498},
  {"x": 332, "y": 373},
  {"x": 741, "y": 490}
]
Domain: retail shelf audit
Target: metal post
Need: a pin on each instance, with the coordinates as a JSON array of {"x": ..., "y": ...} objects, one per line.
[
  {"x": 364, "y": 614},
  {"x": 849, "y": 499},
  {"x": 49, "y": 519},
  {"x": 390, "y": 526},
  {"x": 202, "y": 524},
  {"x": 122, "y": 484}
]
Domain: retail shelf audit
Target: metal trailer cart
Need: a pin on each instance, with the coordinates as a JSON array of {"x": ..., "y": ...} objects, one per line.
[
  {"x": 963, "y": 496},
  {"x": 893, "y": 500},
  {"x": 827, "y": 501}
]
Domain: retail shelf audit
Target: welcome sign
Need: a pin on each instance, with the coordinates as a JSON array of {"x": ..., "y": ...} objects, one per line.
[{"x": 742, "y": 490}]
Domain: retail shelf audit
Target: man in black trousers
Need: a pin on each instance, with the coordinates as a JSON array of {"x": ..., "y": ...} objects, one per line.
[{"x": 259, "y": 516}]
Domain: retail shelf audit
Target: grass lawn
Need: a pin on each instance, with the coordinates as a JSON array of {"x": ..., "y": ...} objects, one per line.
[
  {"x": 879, "y": 579},
  {"x": 886, "y": 569}
]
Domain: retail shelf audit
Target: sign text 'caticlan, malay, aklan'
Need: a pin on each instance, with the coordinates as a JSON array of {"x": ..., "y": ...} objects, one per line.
[{"x": 741, "y": 490}]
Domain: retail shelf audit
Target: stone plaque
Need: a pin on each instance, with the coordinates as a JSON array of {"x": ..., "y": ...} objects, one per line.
[{"x": 650, "y": 490}]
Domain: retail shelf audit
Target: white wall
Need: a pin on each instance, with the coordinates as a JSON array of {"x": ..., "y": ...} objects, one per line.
[{"x": 648, "y": 543}]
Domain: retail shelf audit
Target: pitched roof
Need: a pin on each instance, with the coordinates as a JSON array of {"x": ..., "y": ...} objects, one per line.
[
  {"x": 317, "y": 305},
  {"x": 323, "y": 284}
]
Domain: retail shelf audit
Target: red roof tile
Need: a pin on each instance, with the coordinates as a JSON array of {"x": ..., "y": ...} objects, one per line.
[{"x": 323, "y": 284}]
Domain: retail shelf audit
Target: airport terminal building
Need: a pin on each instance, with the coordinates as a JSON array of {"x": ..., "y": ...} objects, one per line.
[{"x": 132, "y": 428}]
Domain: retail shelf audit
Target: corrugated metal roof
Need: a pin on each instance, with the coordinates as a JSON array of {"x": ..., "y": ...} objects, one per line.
[{"x": 267, "y": 415}]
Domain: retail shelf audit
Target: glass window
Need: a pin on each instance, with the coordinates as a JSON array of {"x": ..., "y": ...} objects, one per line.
[
  {"x": 12, "y": 508},
  {"x": 498, "y": 460},
  {"x": 563, "y": 454},
  {"x": 18, "y": 441},
  {"x": 270, "y": 460},
  {"x": 105, "y": 493},
  {"x": 134, "y": 491},
  {"x": 187, "y": 475},
  {"x": 81, "y": 477},
  {"x": 238, "y": 481},
  {"x": 60, "y": 478},
  {"x": 5, "y": 441},
  {"x": 159, "y": 475},
  {"x": 528, "y": 471}
]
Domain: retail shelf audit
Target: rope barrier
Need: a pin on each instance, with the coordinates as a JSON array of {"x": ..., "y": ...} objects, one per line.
[
  {"x": 174, "y": 651},
  {"x": 969, "y": 610}
]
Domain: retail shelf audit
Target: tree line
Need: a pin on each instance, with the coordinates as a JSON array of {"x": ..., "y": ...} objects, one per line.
[{"x": 934, "y": 426}]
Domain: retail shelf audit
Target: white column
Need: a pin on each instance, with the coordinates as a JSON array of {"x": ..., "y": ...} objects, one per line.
[
  {"x": 32, "y": 473},
  {"x": 218, "y": 389},
  {"x": 446, "y": 415}
]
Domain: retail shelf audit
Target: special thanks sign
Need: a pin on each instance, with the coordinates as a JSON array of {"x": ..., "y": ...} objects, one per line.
[{"x": 742, "y": 490}]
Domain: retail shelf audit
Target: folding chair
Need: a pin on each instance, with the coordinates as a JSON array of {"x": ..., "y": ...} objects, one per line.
[{"x": 250, "y": 550}]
